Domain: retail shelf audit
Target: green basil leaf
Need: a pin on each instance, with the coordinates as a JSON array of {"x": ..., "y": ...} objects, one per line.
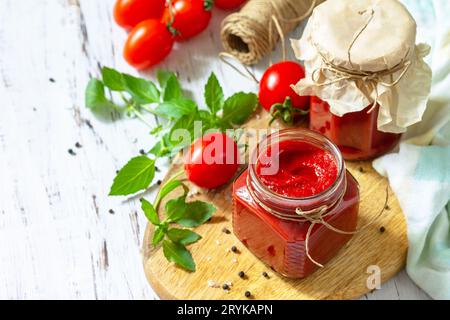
[
  {"x": 158, "y": 150},
  {"x": 239, "y": 107},
  {"x": 150, "y": 212},
  {"x": 183, "y": 236},
  {"x": 176, "y": 208},
  {"x": 170, "y": 86},
  {"x": 158, "y": 235},
  {"x": 163, "y": 76},
  {"x": 169, "y": 187},
  {"x": 162, "y": 148},
  {"x": 196, "y": 213},
  {"x": 208, "y": 121},
  {"x": 142, "y": 91},
  {"x": 213, "y": 94},
  {"x": 176, "y": 108},
  {"x": 186, "y": 122},
  {"x": 177, "y": 253},
  {"x": 136, "y": 175},
  {"x": 172, "y": 89},
  {"x": 205, "y": 115},
  {"x": 178, "y": 140},
  {"x": 113, "y": 79},
  {"x": 95, "y": 95}
]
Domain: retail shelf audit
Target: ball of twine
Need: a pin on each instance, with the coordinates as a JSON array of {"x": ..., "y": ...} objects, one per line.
[{"x": 249, "y": 35}]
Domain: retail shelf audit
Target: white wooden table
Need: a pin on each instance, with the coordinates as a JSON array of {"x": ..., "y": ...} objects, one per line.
[{"x": 58, "y": 237}]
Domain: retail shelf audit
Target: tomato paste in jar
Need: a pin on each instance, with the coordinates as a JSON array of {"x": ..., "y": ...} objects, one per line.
[
  {"x": 356, "y": 133},
  {"x": 292, "y": 171},
  {"x": 303, "y": 169}
]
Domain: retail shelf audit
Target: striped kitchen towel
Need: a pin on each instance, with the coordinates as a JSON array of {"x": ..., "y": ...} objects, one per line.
[{"x": 419, "y": 173}]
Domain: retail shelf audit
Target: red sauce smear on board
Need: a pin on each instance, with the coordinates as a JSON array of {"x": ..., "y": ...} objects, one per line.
[{"x": 304, "y": 169}]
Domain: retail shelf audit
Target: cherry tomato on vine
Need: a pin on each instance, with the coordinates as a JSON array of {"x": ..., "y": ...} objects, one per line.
[
  {"x": 188, "y": 17},
  {"x": 229, "y": 4},
  {"x": 147, "y": 44},
  {"x": 212, "y": 160},
  {"x": 276, "y": 83},
  {"x": 128, "y": 13}
]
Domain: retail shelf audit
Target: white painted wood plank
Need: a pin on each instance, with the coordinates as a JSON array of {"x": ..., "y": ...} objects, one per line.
[{"x": 58, "y": 238}]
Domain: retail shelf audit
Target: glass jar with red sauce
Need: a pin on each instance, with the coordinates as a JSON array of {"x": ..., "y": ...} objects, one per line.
[
  {"x": 355, "y": 133},
  {"x": 291, "y": 172}
]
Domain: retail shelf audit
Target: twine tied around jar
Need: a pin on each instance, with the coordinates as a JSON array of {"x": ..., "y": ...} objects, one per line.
[
  {"x": 372, "y": 78},
  {"x": 316, "y": 216}
]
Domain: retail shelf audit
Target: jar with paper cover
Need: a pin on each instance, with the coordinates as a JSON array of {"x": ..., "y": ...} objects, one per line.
[{"x": 367, "y": 76}]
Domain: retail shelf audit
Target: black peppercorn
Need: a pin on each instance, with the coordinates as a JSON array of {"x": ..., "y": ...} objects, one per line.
[
  {"x": 226, "y": 231},
  {"x": 78, "y": 145},
  {"x": 382, "y": 229},
  {"x": 71, "y": 152},
  {"x": 111, "y": 211},
  {"x": 234, "y": 249},
  {"x": 265, "y": 275},
  {"x": 225, "y": 287},
  {"x": 241, "y": 274},
  {"x": 248, "y": 294},
  {"x": 142, "y": 152},
  {"x": 158, "y": 182}
]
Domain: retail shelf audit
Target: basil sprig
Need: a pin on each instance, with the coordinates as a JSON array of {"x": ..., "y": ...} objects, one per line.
[
  {"x": 137, "y": 96},
  {"x": 177, "y": 211},
  {"x": 122, "y": 93}
]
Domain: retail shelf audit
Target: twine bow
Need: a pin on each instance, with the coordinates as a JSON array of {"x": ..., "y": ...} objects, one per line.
[{"x": 317, "y": 217}]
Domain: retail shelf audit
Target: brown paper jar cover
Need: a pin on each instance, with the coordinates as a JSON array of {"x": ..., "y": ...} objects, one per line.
[{"x": 358, "y": 53}]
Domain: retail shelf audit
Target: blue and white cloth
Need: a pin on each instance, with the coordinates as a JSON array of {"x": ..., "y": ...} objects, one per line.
[{"x": 419, "y": 173}]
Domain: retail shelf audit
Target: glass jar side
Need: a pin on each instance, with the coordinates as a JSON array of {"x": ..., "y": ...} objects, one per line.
[
  {"x": 356, "y": 134},
  {"x": 281, "y": 244}
]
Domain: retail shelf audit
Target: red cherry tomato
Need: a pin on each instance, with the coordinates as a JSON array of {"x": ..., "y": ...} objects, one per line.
[
  {"x": 276, "y": 83},
  {"x": 190, "y": 17},
  {"x": 147, "y": 44},
  {"x": 229, "y": 4},
  {"x": 212, "y": 160},
  {"x": 128, "y": 13}
]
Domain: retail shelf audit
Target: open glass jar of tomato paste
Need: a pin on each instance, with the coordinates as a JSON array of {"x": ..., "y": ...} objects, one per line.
[
  {"x": 296, "y": 205},
  {"x": 367, "y": 78}
]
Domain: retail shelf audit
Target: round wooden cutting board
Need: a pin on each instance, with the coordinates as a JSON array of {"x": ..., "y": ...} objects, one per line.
[{"x": 382, "y": 244}]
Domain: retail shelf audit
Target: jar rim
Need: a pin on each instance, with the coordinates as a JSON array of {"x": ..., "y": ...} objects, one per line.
[{"x": 299, "y": 134}]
